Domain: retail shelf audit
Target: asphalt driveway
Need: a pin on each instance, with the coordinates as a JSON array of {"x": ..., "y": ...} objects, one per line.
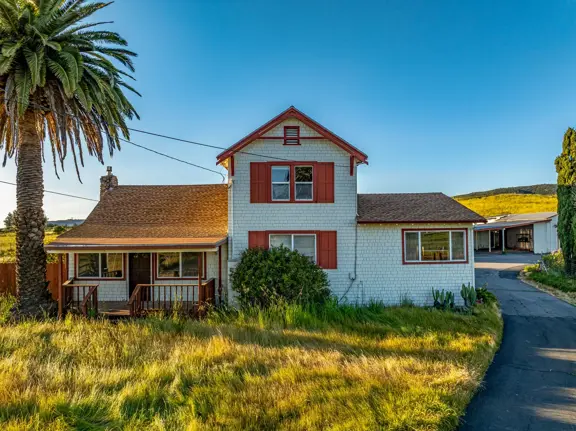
[{"x": 531, "y": 384}]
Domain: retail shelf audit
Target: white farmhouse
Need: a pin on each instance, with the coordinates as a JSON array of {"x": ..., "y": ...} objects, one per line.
[{"x": 291, "y": 182}]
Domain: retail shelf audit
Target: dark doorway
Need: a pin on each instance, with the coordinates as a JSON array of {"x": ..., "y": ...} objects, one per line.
[{"x": 139, "y": 270}]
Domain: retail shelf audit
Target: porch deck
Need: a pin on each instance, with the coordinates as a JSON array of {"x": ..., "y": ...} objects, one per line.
[{"x": 113, "y": 309}]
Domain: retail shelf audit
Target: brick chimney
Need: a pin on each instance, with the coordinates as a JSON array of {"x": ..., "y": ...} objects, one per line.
[{"x": 108, "y": 182}]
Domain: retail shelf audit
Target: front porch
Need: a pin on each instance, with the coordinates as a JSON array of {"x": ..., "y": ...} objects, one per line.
[{"x": 186, "y": 299}]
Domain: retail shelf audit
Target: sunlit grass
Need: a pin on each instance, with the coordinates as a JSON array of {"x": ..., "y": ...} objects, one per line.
[
  {"x": 511, "y": 204},
  {"x": 341, "y": 369},
  {"x": 8, "y": 245}
]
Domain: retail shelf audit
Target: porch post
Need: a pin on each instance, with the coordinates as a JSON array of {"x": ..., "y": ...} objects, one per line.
[
  {"x": 503, "y": 239},
  {"x": 60, "y": 289},
  {"x": 489, "y": 241},
  {"x": 219, "y": 274},
  {"x": 201, "y": 296}
]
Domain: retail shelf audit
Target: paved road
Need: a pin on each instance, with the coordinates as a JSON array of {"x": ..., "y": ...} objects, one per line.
[{"x": 531, "y": 384}]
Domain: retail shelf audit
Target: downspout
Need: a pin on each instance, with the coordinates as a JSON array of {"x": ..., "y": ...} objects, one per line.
[{"x": 353, "y": 275}]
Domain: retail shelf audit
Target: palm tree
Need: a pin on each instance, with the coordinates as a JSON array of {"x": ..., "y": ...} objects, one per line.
[{"x": 62, "y": 84}]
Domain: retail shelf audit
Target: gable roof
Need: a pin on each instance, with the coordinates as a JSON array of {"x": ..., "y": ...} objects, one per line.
[
  {"x": 292, "y": 112},
  {"x": 413, "y": 208},
  {"x": 154, "y": 216}
]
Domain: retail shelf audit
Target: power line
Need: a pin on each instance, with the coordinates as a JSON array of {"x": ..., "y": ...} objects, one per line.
[{"x": 56, "y": 193}]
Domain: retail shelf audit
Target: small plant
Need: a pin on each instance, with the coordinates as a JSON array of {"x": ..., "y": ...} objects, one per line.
[
  {"x": 6, "y": 303},
  {"x": 485, "y": 296},
  {"x": 443, "y": 300},
  {"x": 469, "y": 295},
  {"x": 406, "y": 301}
]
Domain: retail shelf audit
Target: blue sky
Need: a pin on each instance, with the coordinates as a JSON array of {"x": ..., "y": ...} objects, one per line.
[{"x": 444, "y": 96}]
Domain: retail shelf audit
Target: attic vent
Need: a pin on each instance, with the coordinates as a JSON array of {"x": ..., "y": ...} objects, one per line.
[{"x": 291, "y": 135}]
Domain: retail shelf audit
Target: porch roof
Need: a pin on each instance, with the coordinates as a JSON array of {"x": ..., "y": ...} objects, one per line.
[{"x": 131, "y": 217}]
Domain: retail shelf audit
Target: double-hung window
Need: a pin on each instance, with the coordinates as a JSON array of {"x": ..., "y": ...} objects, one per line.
[
  {"x": 288, "y": 179},
  {"x": 100, "y": 265},
  {"x": 177, "y": 265},
  {"x": 303, "y": 243},
  {"x": 280, "y": 183},
  {"x": 434, "y": 246},
  {"x": 303, "y": 183}
]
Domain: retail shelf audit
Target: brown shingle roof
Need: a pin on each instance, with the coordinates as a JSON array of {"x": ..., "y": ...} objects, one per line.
[
  {"x": 413, "y": 208},
  {"x": 155, "y": 214}
]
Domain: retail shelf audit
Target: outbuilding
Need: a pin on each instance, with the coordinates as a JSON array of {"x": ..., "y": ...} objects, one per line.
[{"x": 534, "y": 232}]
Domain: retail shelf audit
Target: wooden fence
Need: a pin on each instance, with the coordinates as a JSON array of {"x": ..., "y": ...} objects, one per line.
[{"x": 8, "y": 278}]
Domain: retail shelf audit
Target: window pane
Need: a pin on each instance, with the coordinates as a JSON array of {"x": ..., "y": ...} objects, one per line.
[
  {"x": 189, "y": 264},
  {"x": 303, "y": 173},
  {"x": 111, "y": 265},
  {"x": 278, "y": 240},
  {"x": 169, "y": 265},
  {"x": 280, "y": 174},
  {"x": 306, "y": 245},
  {"x": 88, "y": 265},
  {"x": 435, "y": 245},
  {"x": 280, "y": 192},
  {"x": 458, "y": 246},
  {"x": 411, "y": 245},
  {"x": 303, "y": 191}
]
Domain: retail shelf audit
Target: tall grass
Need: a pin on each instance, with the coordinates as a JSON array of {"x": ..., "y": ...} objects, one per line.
[{"x": 332, "y": 367}]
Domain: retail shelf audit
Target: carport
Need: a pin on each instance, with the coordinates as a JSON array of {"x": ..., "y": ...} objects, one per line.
[{"x": 521, "y": 232}]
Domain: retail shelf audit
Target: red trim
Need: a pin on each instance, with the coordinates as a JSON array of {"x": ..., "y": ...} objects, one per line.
[
  {"x": 288, "y": 138},
  {"x": 129, "y": 248},
  {"x": 287, "y": 114},
  {"x": 417, "y": 221},
  {"x": 124, "y": 266},
  {"x": 219, "y": 273},
  {"x": 232, "y": 167},
  {"x": 436, "y": 262},
  {"x": 155, "y": 269},
  {"x": 302, "y": 138},
  {"x": 204, "y": 268}
]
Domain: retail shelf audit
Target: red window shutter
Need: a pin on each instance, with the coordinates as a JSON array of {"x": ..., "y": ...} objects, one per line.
[
  {"x": 327, "y": 249},
  {"x": 325, "y": 183},
  {"x": 257, "y": 239},
  {"x": 259, "y": 182}
]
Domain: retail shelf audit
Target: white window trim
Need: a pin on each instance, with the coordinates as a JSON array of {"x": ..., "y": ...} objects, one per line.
[
  {"x": 193, "y": 277},
  {"x": 304, "y": 182},
  {"x": 451, "y": 260},
  {"x": 281, "y": 182},
  {"x": 99, "y": 276},
  {"x": 292, "y": 235}
]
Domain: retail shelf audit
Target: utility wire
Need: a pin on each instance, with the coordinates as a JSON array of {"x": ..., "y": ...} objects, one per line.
[{"x": 56, "y": 193}]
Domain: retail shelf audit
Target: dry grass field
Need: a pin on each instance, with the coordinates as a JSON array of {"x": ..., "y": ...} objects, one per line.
[{"x": 510, "y": 204}]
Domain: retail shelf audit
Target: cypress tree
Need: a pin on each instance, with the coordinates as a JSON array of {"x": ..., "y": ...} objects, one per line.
[{"x": 566, "y": 169}]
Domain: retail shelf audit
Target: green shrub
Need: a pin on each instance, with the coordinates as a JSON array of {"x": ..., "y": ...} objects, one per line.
[
  {"x": 485, "y": 296},
  {"x": 279, "y": 275}
]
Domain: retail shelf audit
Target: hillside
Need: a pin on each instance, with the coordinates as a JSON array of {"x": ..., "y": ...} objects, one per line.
[{"x": 538, "y": 189}]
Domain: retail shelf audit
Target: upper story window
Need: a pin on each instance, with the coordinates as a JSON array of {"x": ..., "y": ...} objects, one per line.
[
  {"x": 303, "y": 181},
  {"x": 303, "y": 243},
  {"x": 177, "y": 265},
  {"x": 100, "y": 265},
  {"x": 280, "y": 183},
  {"x": 291, "y": 135},
  {"x": 435, "y": 246}
]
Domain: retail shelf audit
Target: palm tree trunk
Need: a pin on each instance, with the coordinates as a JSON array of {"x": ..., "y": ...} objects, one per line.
[{"x": 33, "y": 298}]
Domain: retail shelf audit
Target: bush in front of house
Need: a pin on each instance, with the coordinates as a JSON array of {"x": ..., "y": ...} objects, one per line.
[{"x": 278, "y": 275}]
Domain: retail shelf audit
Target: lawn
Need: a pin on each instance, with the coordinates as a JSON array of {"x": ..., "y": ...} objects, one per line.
[
  {"x": 510, "y": 204},
  {"x": 8, "y": 245},
  {"x": 340, "y": 368}
]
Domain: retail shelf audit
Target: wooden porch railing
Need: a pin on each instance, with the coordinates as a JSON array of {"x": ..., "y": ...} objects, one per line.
[
  {"x": 186, "y": 298},
  {"x": 79, "y": 297}
]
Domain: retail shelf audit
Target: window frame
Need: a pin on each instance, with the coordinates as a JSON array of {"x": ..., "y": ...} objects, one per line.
[
  {"x": 434, "y": 262},
  {"x": 294, "y": 234},
  {"x": 292, "y": 138},
  {"x": 99, "y": 277},
  {"x": 289, "y": 182},
  {"x": 311, "y": 166},
  {"x": 201, "y": 266}
]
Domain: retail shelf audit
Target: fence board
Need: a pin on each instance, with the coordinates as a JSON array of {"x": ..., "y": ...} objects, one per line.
[{"x": 8, "y": 278}]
